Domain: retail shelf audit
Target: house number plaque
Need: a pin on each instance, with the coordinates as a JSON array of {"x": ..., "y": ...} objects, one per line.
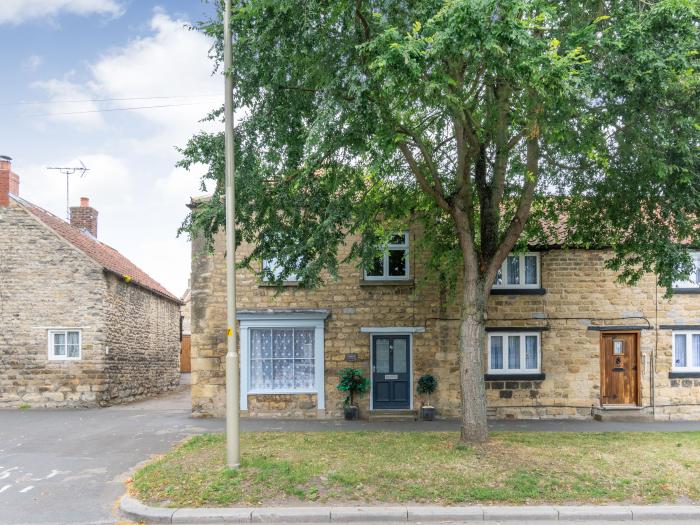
[
  {"x": 351, "y": 358},
  {"x": 391, "y": 376}
]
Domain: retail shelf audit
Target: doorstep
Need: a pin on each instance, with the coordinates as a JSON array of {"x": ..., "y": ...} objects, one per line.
[
  {"x": 392, "y": 415},
  {"x": 622, "y": 413},
  {"x": 132, "y": 509}
]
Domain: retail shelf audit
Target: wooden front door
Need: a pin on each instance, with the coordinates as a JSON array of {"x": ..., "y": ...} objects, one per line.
[
  {"x": 620, "y": 369},
  {"x": 185, "y": 358},
  {"x": 391, "y": 372}
]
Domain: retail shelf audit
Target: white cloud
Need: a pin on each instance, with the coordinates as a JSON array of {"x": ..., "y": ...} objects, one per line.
[
  {"x": 19, "y": 11},
  {"x": 61, "y": 106},
  {"x": 32, "y": 63},
  {"x": 170, "y": 63},
  {"x": 133, "y": 181}
]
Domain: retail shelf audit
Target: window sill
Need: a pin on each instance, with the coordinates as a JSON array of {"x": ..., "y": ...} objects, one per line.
[
  {"x": 280, "y": 392},
  {"x": 515, "y": 377},
  {"x": 386, "y": 282},
  {"x": 686, "y": 290},
  {"x": 684, "y": 375},
  {"x": 518, "y": 291},
  {"x": 63, "y": 359}
]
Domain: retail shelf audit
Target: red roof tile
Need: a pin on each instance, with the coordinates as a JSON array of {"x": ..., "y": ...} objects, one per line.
[{"x": 106, "y": 256}]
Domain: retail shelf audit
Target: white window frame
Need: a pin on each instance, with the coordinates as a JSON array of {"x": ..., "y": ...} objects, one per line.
[
  {"x": 504, "y": 269},
  {"x": 693, "y": 281},
  {"x": 688, "y": 351},
  {"x": 405, "y": 246},
  {"x": 504, "y": 349},
  {"x": 283, "y": 321},
  {"x": 271, "y": 264},
  {"x": 64, "y": 331}
]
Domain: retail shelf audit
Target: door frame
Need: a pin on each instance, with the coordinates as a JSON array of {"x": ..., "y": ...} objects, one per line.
[
  {"x": 601, "y": 357},
  {"x": 371, "y": 366}
]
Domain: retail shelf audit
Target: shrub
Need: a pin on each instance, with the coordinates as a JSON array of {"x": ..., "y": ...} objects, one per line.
[{"x": 352, "y": 381}]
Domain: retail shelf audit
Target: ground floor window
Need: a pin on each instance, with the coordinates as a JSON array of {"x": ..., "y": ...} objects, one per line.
[
  {"x": 282, "y": 359},
  {"x": 282, "y": 353},
  {"x": 513, "y": 353},
  {"x": 64, "y": 345},
  {"x": 686, "y": 351}
]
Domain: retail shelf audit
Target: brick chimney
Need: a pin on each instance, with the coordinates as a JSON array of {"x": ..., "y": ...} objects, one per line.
[
  {"x": 9, "y": 181},
  {"x": 84, "y": 217}
]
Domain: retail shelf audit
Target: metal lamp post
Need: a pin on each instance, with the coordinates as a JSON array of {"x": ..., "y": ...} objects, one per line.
[{"x": 233, "y": 452}]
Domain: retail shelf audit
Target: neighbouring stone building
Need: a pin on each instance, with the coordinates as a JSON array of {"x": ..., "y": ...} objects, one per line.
[
  {"x": 81, "y": 324},
  {"x": 564, "y": 340}
]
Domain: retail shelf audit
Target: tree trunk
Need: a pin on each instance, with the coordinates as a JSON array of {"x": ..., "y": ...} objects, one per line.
[{"x": 472, "y": 333}]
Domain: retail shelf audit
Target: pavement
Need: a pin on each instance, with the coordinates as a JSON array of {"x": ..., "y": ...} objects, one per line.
[
  {"x": 69, "y": 466},
  {"x": 133, "y": 509}
]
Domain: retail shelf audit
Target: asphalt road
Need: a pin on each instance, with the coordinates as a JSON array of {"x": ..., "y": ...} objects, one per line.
[{"x": 69, "y": 466}]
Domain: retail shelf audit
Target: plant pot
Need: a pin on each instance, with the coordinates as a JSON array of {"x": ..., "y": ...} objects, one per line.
[
  {"x": 352, "y": 413},
  {"x": 427, "y": 413}
]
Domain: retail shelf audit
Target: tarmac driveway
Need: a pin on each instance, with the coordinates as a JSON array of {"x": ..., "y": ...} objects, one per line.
[{"x": 68, "y": 466}]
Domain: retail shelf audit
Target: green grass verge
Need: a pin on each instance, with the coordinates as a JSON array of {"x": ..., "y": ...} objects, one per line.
[{"x": 378, "y": 467}]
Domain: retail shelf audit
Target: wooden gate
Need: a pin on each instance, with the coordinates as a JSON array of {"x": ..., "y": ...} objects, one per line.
[{"x": 185, "y": 357}]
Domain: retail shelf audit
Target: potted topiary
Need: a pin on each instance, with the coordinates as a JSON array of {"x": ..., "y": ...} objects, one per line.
[
  {"x": 427, "y": 384},
  {"x": 352, "y": 382}
]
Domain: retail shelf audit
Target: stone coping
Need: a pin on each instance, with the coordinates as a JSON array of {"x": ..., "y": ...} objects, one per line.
[{"x": 131, "y": 508}]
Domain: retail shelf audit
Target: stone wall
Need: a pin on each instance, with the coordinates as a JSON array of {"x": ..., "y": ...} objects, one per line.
[
  {"x": 143, "y": 338},
  {"x": 46, "y": 283},
  {"x": 580, "y": 294},
  {"x": 130, "y": 337}
]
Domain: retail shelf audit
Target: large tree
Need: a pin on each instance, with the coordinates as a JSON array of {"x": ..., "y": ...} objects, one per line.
[{"x": 487, "y": 121}]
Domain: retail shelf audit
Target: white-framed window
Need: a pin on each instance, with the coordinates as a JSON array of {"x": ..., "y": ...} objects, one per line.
[
  {"x": 693, "y": 280},
  {"x": 281, "y": 359},
  {"x": 686, "y": 351},
  {"x": 282, "y": 352},
  {"x": 519, "y": 271},
  {"x": 514, "y": 353},
  {"x": 393, "y": 265},
  {"x": 273, "y": 266},
  {"x": 65, "y": 345}
]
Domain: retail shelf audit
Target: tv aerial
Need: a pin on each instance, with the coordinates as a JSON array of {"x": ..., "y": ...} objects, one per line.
[{"x": 68, "y": 171}]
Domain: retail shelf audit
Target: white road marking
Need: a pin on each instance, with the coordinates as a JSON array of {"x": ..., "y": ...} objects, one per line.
[
  {"x": 3, "y": 489},
  {"x": 26, "y": 489},
  {"x": 5, "y": 475},
  {"x": 53, "y": 473}
]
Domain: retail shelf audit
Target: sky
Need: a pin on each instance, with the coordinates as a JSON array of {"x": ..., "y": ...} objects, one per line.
[{"x": 60, "y": 60}]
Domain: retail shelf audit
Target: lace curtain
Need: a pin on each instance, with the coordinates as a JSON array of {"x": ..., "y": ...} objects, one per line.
[{"x": 281, "y": 359}]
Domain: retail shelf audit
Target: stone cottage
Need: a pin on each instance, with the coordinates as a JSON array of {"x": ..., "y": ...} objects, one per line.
[
  {"x": 81, "y": 324},
  {"x": 564, "y": 340}
]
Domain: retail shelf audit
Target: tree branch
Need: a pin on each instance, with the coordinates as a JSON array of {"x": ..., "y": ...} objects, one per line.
[
  {"x": 517, "y": 223},
  {"x": 428, "y": 188},
  {"x": 363, "y": 21}
]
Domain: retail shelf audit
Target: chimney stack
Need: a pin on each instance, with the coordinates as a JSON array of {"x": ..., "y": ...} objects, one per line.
[
  {"x": 9, "y": 181},
  {"x": 84, "y": 217}
]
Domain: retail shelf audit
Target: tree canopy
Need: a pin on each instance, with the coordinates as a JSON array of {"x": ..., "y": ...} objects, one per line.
[{"x": 361, "y": 116}]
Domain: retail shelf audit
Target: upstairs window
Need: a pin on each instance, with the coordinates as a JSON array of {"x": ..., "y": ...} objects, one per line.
[
  {"x": 519, "y": 271},
  {"x": 693, "y": 280},
  {"x": 273, "y": 266},
  {"x": 514, "y": 353},
  {"x": 393, "y": 264},
  {"x": 686, "y": 351},
  {"x": 64, "y": 345}
]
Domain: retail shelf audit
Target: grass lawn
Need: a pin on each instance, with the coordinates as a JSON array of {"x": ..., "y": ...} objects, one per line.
[{"x": 427, "y": 468}]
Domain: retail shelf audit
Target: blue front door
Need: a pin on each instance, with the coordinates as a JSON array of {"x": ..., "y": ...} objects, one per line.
[{"x": 391, "y": 372}]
